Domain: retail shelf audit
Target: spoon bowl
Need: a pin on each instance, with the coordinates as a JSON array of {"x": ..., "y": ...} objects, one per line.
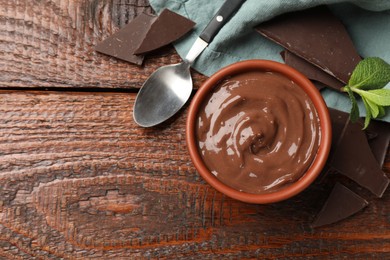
[{"x": 171, "y": 83}]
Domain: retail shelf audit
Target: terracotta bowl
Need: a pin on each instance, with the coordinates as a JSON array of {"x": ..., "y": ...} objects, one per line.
[{"x": 323, "y": 114}]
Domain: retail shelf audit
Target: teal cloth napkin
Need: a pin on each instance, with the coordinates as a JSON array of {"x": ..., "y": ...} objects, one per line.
[{"x": 368, "y": 22}]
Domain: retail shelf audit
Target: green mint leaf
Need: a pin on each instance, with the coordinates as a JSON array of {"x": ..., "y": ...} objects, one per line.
[
  {"x": 354, "y": 114},
  {"x": 380, "y": 97},
  {"x": 367, "y": 120},
  {"x": 374, "y": 108},
  {"x": 382, "y": 111},
  {"x": 368, "y": 79},
  {"x": 370, "y": 73}
]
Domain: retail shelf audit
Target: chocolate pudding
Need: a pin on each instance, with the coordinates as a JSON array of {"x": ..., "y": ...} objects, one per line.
[{"x": 258, "y": 132}]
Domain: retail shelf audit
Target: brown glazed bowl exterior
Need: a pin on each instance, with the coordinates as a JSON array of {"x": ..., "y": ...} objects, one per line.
[{"x": 322, "y": 111}]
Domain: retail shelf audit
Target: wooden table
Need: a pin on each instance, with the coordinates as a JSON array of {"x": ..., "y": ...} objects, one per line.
[{"x": 79, "y": 179}]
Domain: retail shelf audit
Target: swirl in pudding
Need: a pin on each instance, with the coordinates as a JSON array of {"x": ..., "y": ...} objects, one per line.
[{"x": 258, "y": 132}]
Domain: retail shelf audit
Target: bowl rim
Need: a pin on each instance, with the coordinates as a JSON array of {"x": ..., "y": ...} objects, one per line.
[{"x": 322, "y": 111}]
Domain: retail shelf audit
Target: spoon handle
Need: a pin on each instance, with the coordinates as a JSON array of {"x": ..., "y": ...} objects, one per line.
[{"x": 219, "y": 19}]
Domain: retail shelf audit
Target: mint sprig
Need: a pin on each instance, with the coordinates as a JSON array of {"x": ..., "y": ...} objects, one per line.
[{"x": 368, "y": 80}]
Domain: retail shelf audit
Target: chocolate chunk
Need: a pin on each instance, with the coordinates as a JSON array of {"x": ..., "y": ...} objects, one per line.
[
  {"x": 145, "y": 33},
  {"x": 341, "y": 203},
  {"x": 378, "y": 135},
  {"x": 338, "y": 119},
  {"x": 352, "y": 157},
  {"x": 319, "y": 85},
  {"x": 123, "y": 43},
  {"x": 348, "y": 140},
  {"x": 317, "y": 36},
  {"x": 311, "y": 71},
  {"x": 167, "y": 28}
]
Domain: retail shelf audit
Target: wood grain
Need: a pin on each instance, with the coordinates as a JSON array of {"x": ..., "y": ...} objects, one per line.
[
  {"x": 80, "y": 180},
  {"x": 50, "y": 44}
]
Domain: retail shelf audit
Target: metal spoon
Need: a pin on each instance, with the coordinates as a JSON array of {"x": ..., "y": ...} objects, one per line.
[{"x": 169, "y": 87}]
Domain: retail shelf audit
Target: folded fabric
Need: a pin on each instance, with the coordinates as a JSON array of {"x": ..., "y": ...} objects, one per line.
[{"x": 368, "y": 22}]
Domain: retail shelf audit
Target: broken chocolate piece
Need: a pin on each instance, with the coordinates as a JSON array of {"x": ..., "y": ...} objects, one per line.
[
  {"x": 123, "y": 43},
  {"x": 341, "y": 203},
  {"x": 311, "y": 71},
  {"x": 338, "y": 119},
  {"x": 319, "y": 85},
  {"x": 317, "y": 36},
  {"x": 346, "y": 142},
  {"x": 353, "y": 158},
  {"x": 378, "y": 135},
  {"x": 145, "y": 33},
  {"x": 168, "y": 27}
]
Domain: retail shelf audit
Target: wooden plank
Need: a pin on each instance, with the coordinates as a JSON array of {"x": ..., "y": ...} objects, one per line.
[
  {"x": 51, "y": 44},
  {"x": 78, "y": 179}
]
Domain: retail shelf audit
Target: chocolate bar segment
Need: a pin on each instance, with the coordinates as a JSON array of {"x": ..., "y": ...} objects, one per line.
[
  {"x": 168, "y": 27},
  {"x": 353, "y": 158},
  {"x": 338, "y": 119},
  {"x": 319, "y": 85},
  {"x": 143, "y": 34},
  {"x": 378, "y": 135},
  {"x": 123, "y": 43},
  {"x": 317, "y": 36},
  {"x": 341, "y": 203},
  {"x": 311, "y": 71}
]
